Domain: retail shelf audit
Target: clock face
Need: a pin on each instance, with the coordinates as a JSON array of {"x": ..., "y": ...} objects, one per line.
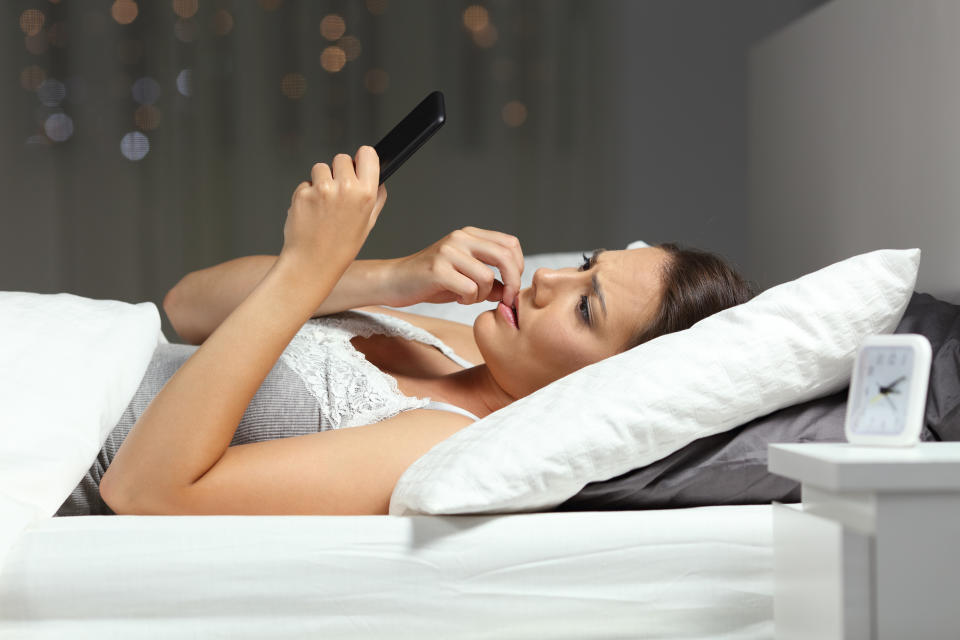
[{"x": 882, "y": 395}]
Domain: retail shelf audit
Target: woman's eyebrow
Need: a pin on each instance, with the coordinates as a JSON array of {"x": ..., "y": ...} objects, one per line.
[{"x": 596, "y": 285}]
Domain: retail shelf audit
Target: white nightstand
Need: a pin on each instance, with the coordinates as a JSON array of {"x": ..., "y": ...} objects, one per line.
[{"x": 874, "y": 549}]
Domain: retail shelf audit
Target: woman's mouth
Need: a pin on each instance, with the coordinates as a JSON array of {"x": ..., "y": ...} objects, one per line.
[{"x": 509, "y": 314}]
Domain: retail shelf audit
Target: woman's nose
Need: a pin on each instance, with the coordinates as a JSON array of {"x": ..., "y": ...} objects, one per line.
[{"x": 545, "y": 282}]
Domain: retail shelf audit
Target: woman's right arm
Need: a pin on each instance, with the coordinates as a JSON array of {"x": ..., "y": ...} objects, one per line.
[{"x": 203, "y": 299}]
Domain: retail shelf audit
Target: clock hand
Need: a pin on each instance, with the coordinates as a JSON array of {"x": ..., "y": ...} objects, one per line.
[{"x": 892, "y": 385}]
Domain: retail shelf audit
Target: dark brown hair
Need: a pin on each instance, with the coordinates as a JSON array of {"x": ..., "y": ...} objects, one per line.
[{"x": 696, "y": 284}]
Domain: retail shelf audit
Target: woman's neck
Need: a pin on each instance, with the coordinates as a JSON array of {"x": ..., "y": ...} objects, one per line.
[{"x": 473, "y": 389}]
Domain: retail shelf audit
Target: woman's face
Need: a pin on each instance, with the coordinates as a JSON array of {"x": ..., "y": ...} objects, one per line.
[{"x": 570, "y": 318}]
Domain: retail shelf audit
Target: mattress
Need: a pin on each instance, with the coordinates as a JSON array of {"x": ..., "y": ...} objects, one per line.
[{"x": 676, "y": 573}]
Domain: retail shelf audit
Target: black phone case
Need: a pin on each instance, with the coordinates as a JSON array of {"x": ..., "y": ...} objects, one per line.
[{"x": 410, "y": 134}]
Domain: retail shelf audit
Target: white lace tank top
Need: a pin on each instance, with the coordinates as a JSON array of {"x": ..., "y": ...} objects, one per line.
[{"x": 350, "y": 390}]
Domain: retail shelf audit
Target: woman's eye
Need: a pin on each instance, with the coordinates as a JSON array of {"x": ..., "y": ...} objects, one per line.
[
  {"x": 586, "y": 263},
  {"x": 584, "y": 308}
]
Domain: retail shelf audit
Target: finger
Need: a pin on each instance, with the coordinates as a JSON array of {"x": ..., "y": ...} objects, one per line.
[
  {"x": 368, "y": 166},
  {"x": 343, "y": 167},
  {"x": 505, "y": 239},
  {"x": 496, "y": 292},
  {"x": 300, "y": 187},
  {"x": 320, "y": 173},
  {"x": 503, "y": 259},
  {"x": 460, "y": 285},
  {"x": 478, "y": 272},
  {"x": 378, "y": 205}
]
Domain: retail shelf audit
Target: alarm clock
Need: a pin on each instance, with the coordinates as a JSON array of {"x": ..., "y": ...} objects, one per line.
[{"x": 888, "y": 390}]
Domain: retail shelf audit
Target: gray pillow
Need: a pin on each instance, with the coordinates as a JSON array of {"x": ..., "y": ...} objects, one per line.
[{"x": 731, "y": 467}]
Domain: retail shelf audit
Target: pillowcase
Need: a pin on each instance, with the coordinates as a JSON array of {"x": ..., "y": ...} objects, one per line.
[
  {"x": 792, "y": 343},
  {"x": 70, "y": 366},
  {"x": 731, "y": 467}
]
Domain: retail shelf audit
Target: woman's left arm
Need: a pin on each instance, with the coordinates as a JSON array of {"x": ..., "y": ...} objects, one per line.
[{"x": 188, "y": 426}]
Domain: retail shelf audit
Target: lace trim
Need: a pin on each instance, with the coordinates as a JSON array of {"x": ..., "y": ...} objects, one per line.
[{"x": 350, "y": 390}]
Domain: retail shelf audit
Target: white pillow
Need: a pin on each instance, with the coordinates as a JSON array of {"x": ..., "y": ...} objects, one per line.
[
  {"x": 70, "y": 366},
  {"x": 791, "y": 343}
]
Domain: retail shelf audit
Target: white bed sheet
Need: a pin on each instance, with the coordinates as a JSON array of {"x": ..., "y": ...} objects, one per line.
[{"x": 679, "y": 573}]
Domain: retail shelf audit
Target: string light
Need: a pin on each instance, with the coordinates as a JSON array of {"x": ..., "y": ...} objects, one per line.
[
  {"x": 32, "y": 77},
  {"x": 351, "y": 47},
  {"x": 514, "y": 113},
  {"x": 146, "y": 117},
  {"x": 332, "y": 27},
  {"x": 475, "y": 18},
  {"x": 124, "y": 11},
  {"x": 57, "y": 34},
  {"x": 333, "y": 58},
  {"x": 222, "y": 22},
  {"x": 185, "y": 8},
  {"x": 485, "y": 37},
  {"x": 376, "y": 7},
  {"x": 51, "y": 93},
  {"x": 134, "y": 146},
  {"x": 293, "y": 85},
  {"x": 58, "y": 127},
  {"x": 31, "y": 21},
  {"x": 145, "y": 90},
  {"x": 36, "y": 44},
  {"x": 185, "y": 82}
]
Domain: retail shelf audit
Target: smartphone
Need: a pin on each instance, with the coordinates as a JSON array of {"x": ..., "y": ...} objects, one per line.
[{"x": 409, "y": 135}]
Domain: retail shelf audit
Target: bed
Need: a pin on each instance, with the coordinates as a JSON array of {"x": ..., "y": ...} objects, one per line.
[{"x": 641, "y": 555}]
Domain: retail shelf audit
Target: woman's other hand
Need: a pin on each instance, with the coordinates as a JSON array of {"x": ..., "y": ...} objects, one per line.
[
  {"x": 329, "y": 218},
  {"x": 455, "y": 269}
]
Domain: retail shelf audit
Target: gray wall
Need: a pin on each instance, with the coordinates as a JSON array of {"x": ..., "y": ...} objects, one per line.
[
  {"x": 854, "y": 141},
  {"x": 636, "y": 130}
]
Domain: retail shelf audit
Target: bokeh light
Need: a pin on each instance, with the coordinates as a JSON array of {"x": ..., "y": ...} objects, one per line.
[
  {"x": 376, "y": 7},
  {"x": 58, "y": 127},
  {"x": 332, "y": 27},
  {"x": 351, "y": 47},
  {"x": 514, "y": 113},
  {"x": 485, "y": 37},
  {"x": 185, "y": 8},
  {"x": 57, "y": 34},
  {"x": 32, "y": 77},
  {"x": 376, "y": 80},
  {"x": 51, "y": 93},
  {"x": 270, "y": 5},
  {"x": 31, "y": 21},
  {"x": 475, "y": 18},
  {"x": 145, "y": 90},
  {"x": 134, "y": 146},
  {"x": 222, "y": 22},
  {"x": 36, "y": 44},
  {"x": 293, "y": 85},
  {"x": 186, "y": 30},
  {"x": 124, "y": 11},
  {"x": 146, "y": 117},
  {"x": 333, "y": 58},
  {"x": 185, "y": 82}
]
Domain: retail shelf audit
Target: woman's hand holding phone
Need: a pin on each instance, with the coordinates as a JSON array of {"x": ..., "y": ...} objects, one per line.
[
  {"x": 329, "y": 218},
  {"x": 455, "y": 269}
]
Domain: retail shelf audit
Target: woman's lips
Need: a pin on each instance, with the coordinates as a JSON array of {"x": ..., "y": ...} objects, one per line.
[{"x": 508, "y": 314}]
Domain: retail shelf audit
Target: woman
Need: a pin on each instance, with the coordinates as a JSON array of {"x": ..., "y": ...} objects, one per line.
[{"x": 177, "y": 458}]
